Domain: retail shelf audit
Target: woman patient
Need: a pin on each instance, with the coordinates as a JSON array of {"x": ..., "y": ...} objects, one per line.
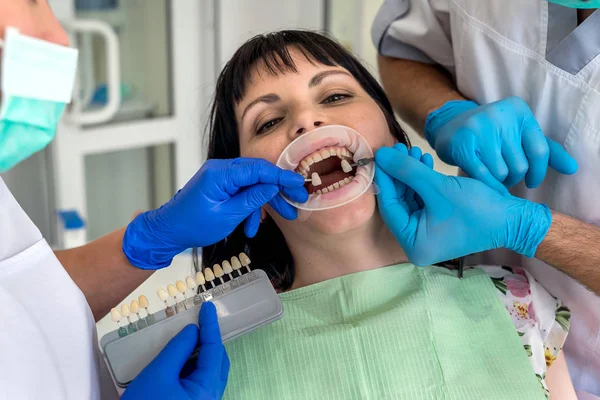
[{"x": 360, "y": 322}]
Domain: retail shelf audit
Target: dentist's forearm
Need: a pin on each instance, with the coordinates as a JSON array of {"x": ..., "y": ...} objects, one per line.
[
  {"x": 415, "y": 89},
  {"x": 102, "y": 272},
  {"x": 573, "y": 246}
]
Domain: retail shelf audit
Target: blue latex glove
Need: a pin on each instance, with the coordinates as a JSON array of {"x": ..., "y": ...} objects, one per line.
[
  {"x": 161, "y": 378},
  {"x": 437, "y": 218},
  {"x": 222, "y": 194},
  {"x": 498, "y": 143}
]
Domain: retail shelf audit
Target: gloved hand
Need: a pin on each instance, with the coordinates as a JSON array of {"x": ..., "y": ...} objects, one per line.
[
  {"x": 221, "y": 195},
  {"x": 161, "y": 378},
  {"x": 448, "y": 217},
  {"x": 498, "y": 143}
]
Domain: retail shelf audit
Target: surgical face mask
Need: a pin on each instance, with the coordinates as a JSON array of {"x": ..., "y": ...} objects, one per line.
[
  {"x": 37, "y": 82},
  {"x": 577, "y": 3},
  {"x": 322, "y": 151}
]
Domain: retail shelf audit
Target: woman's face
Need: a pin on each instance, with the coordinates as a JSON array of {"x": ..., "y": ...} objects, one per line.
[{"x": 276, "y": 109}]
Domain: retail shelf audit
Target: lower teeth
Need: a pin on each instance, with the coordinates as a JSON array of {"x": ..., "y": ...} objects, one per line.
[{"x": 335, "y": 186}]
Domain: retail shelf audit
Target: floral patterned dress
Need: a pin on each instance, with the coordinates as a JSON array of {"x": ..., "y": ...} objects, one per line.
[{"x": 541, "y": 320}]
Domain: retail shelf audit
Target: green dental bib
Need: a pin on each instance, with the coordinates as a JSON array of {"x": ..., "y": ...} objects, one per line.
[{"x": 398, "y": 332}]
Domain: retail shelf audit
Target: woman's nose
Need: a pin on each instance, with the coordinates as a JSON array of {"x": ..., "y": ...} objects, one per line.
[{"x": 312, "y": 126}]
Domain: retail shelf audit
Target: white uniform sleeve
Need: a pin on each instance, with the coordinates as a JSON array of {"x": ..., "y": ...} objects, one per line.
[{"x": 416, "y": 30}]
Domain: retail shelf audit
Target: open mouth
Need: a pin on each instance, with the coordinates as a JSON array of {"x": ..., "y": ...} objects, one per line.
[{"x": 329, "y": 169}]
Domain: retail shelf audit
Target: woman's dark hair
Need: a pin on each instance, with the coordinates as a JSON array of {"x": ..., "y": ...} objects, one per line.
[{"x": 268, "y": 250}]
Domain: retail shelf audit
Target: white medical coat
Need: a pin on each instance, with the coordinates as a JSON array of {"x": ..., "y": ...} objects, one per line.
[
  {"x": 48, "y": 344},
  {"x": 533, "y": 49}
]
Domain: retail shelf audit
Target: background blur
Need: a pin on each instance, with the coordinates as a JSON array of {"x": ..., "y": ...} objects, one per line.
[{"x": 134, "y": 132}]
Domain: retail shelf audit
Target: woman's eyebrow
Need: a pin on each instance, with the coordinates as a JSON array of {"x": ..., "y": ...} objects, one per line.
[
  {"x": 267, "y": 98},
  {"x": 322, "y": 75}
]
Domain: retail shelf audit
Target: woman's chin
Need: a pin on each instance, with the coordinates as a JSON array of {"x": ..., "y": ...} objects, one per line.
[{"x": 340, "y": 220}]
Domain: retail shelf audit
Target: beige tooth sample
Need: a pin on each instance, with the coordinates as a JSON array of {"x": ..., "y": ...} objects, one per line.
[
  {"x": 191, "y": 283},
  {"x": 162, "y": 294},
  {"x": 143, "y": 300},
  {"x": 115, "y": 315},
  {"x": 200, "y": 280},
  {"x": 315, "y": 179},
  {"x": 218, "y": 271},
  {"x": 245, "y": 260},
  {"x": 346, "y": 167},
  {"x": 236, "y": 264},
  {"x": 172, "y": 290},
  {"x": 182, "y": 287},
  {"x": 134, "y": 307},
  {"x": 209, "y": 275},
  {"x": 125, "y": 310},
  {"x": 227, "y": 269}
]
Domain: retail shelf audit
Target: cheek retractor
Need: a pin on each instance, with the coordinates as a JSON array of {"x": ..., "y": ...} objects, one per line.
[{"x": 336, "y": 160}]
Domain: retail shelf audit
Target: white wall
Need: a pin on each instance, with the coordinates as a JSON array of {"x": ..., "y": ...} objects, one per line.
[{"x": 239, "y": 20}]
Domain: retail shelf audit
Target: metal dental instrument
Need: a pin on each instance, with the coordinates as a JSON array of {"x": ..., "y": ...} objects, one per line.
[
  {"x": 362, "y": 162},
  {"x": 461, "y": 266}
]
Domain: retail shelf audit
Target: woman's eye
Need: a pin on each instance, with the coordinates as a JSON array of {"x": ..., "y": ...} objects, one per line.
[
  {"x": 334, "y": 98},
  {"x": 268, "y": 125}
]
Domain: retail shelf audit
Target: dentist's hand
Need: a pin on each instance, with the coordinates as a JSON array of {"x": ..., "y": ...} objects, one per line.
[
  {"x": 448, "y": 217},
  {"x": 222, "y": 194},
  {"x": 161, "y": 379},
  {"x": 497, "y": 143}
]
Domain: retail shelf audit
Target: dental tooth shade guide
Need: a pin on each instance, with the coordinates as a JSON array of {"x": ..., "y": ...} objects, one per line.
[{"x": 245, "y": 301}]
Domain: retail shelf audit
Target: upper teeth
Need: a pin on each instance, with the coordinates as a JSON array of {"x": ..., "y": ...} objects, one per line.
[{"x": 321, "y": 155}]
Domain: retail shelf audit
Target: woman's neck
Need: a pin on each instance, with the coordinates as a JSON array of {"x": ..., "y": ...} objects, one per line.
[{"x": 320, "y": 258}]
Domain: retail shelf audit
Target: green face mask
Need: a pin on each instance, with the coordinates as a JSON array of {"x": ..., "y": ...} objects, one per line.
[
  {"x": 37, "y": 82},
  {"x": 577, "y": 3}
]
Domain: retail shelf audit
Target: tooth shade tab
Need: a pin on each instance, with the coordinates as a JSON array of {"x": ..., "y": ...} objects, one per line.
[
  {"x": 200, "y": 280},
  {"x": 244, "y": 259},
  {"x": 143, "y": 300},
  {"x": 235, "y": 263},
  {"x": 162, "y": 294},
  {"x": 125, "y": 310},
  {"x": 208, "y": 274},
  {"x": 315, "y": 179},
  {"x": 181, "y": 286},
  {"x": 172, "y": 290},
  {"x": 227, "y": 269},
  {"x": 217, "y": 270},
  {"x": 115, "y": 315},
  {"x": 134, "y": 307},
  {"x": 190, "y": 282},
  {"x": 346, "y": 167}
]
